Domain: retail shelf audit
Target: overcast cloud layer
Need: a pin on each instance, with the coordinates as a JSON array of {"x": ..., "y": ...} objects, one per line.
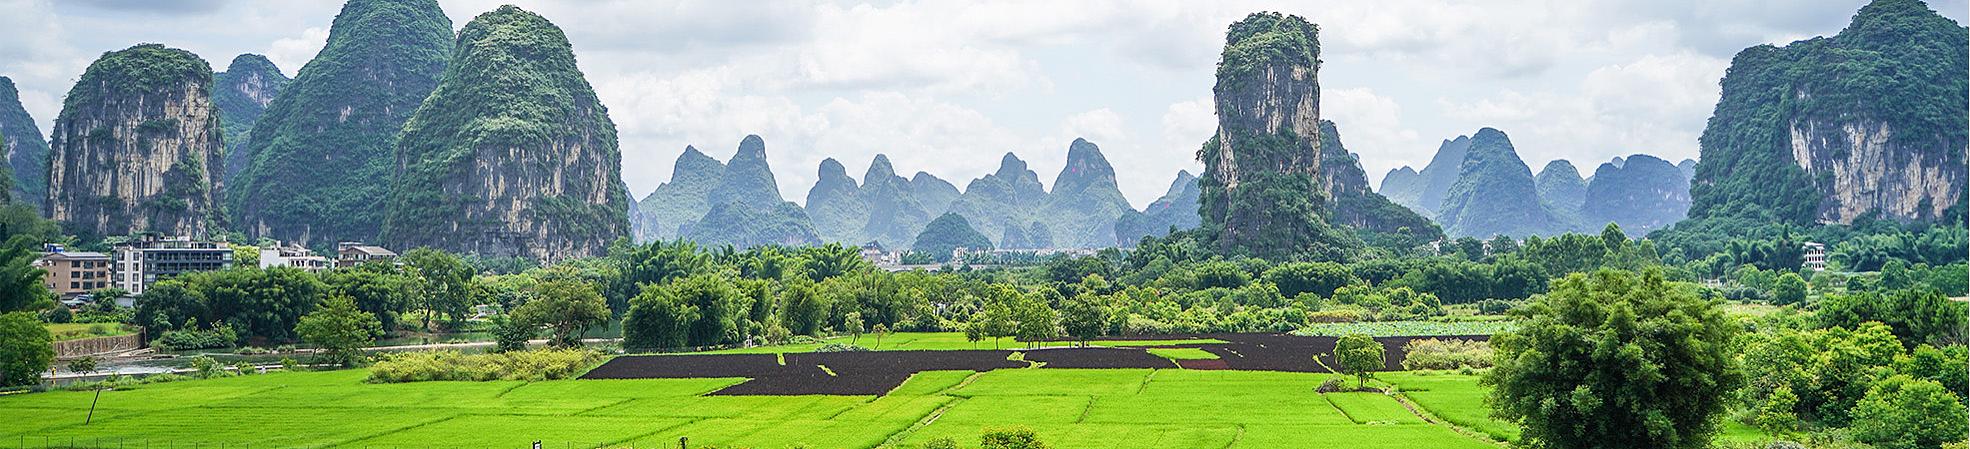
[{"x": 947, "y": 87}]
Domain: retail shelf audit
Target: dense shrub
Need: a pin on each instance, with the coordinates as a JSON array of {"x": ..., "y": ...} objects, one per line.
[
  {"x": 516, "y": 365},
  {"x": 187, "y": 339},
  {"x": 838, "y": 347},
  {"x": 1431, "y": 353}
]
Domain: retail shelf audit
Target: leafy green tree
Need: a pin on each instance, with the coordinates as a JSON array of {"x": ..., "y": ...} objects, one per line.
[
  {"x": 170, "y": 305},
  {"x": 1036, "y": 321},
  {"x": 1790, "y": 289},
  {"x": 566, "y": 308},
  {"x": 1616, "y": 360},
  {"x": 26, "y": 349},
  {"x": 445, "y": 286},
  {"x": 806, "y": 310},
  {"x": 1906, "y": 413},
  {"x": 1010, "y": 438},
  {"x": 661, "y": 317},
  {"x": 853, "y": 324},
  {"x": 510, "y": 334},
  {"x": 655, "y": 263},
  {"x": 1775, "y": 417},
  {"x": 1944, "y": 365},
  {"x": 340, "y": 329},
  {"x": 1083, "y": 318},
  {"x": 255, "y": 302},
  {"x": 1360, "y": 356},
  {"x": 1320, "y": 278},
  {"x": 831, "y": 261},
  {"x": 383, "y": 291},
  {"x": 21, "y": 283},
  {"x": 1918, "y": 315}
]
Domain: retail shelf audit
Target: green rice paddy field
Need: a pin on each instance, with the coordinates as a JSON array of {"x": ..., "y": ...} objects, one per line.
[{"x": 1069, "y": 408}]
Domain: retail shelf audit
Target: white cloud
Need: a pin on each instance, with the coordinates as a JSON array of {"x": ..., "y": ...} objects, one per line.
[
  {"x": 290, "y": 53},
  {"x": 1371, "y": 126}
]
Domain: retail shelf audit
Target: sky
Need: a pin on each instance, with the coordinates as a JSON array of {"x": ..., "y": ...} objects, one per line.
[{"x": 948, "y": 87}]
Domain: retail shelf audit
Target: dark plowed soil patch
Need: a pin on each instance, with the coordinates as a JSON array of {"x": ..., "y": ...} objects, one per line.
[
  {"x": 1098, "y": 358},
  {"x": 1203, "y": 364},
  {"x": 877, "y": 372},
  {"x": 686, "y": 366}
]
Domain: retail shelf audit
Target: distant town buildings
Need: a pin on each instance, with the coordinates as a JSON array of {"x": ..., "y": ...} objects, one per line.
[
  {"x": 349, "y": 254},
  {"x": 139, "y": 263},
  {"x": 1815, "y": 256},
  {"x": 876, "y": 255},
  {"x": 71, "y": 274}
]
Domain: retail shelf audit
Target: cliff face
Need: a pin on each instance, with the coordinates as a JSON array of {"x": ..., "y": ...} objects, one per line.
[
  {"x": 1261, "y": 188},
  {"x": 1832, "y": 129},
  {"x": 483, "y": 170},
  {"x": 137, "y": 147},
  {"x": 1642, "y": 194},
  {"x": 1495, "y": 193},
  {"x": 680, "y": 202},
  {"x": 1085, "y": 201},
  {"x": 243, "y": 92},
  {"x": 320, "y": 159},
  {"x": 26, "y": 151}
]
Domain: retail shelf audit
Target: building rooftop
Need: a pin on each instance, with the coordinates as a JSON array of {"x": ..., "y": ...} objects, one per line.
[{"x": 77, "y": 255}]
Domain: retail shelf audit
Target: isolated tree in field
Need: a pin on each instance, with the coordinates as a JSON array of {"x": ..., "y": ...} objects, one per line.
[
  {"x": 974, "y": 331},
  {"x": 1616, "y": 359},
  {"x": 853, "y": 324},
  {"x": 566, "y": 307},
  {"x": 1083, "y": 318},
  {"x": 340, "y": 330},
  {"x": 880, "y": 330},
  {"x": 1359, "y": 355},
  {"x": 1037, "y": 321}
]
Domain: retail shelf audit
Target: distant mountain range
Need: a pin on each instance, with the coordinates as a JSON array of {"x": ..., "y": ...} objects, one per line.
[
  {"x": 738, "y": 203},
  {"x": 1477, "y": 186}
]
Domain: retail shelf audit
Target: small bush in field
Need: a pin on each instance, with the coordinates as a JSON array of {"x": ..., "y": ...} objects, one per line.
[
  {"x": 1011, "y": 438},
  {"x": 1434, "y": 353},
  {"x": 543, "y": 364}
]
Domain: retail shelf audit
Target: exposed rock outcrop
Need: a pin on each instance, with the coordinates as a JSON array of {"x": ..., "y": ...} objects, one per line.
[
  {"x": 483, "y": 170},
  {"x": 26, "y": 151},
  {"x": 1261, "y": 187},
  {"x": 243, "y": 92},
  {"x": 323, "y": 155},
  {"x": 1869, "y": 121},
  {"x": 137, "y": 147}
]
